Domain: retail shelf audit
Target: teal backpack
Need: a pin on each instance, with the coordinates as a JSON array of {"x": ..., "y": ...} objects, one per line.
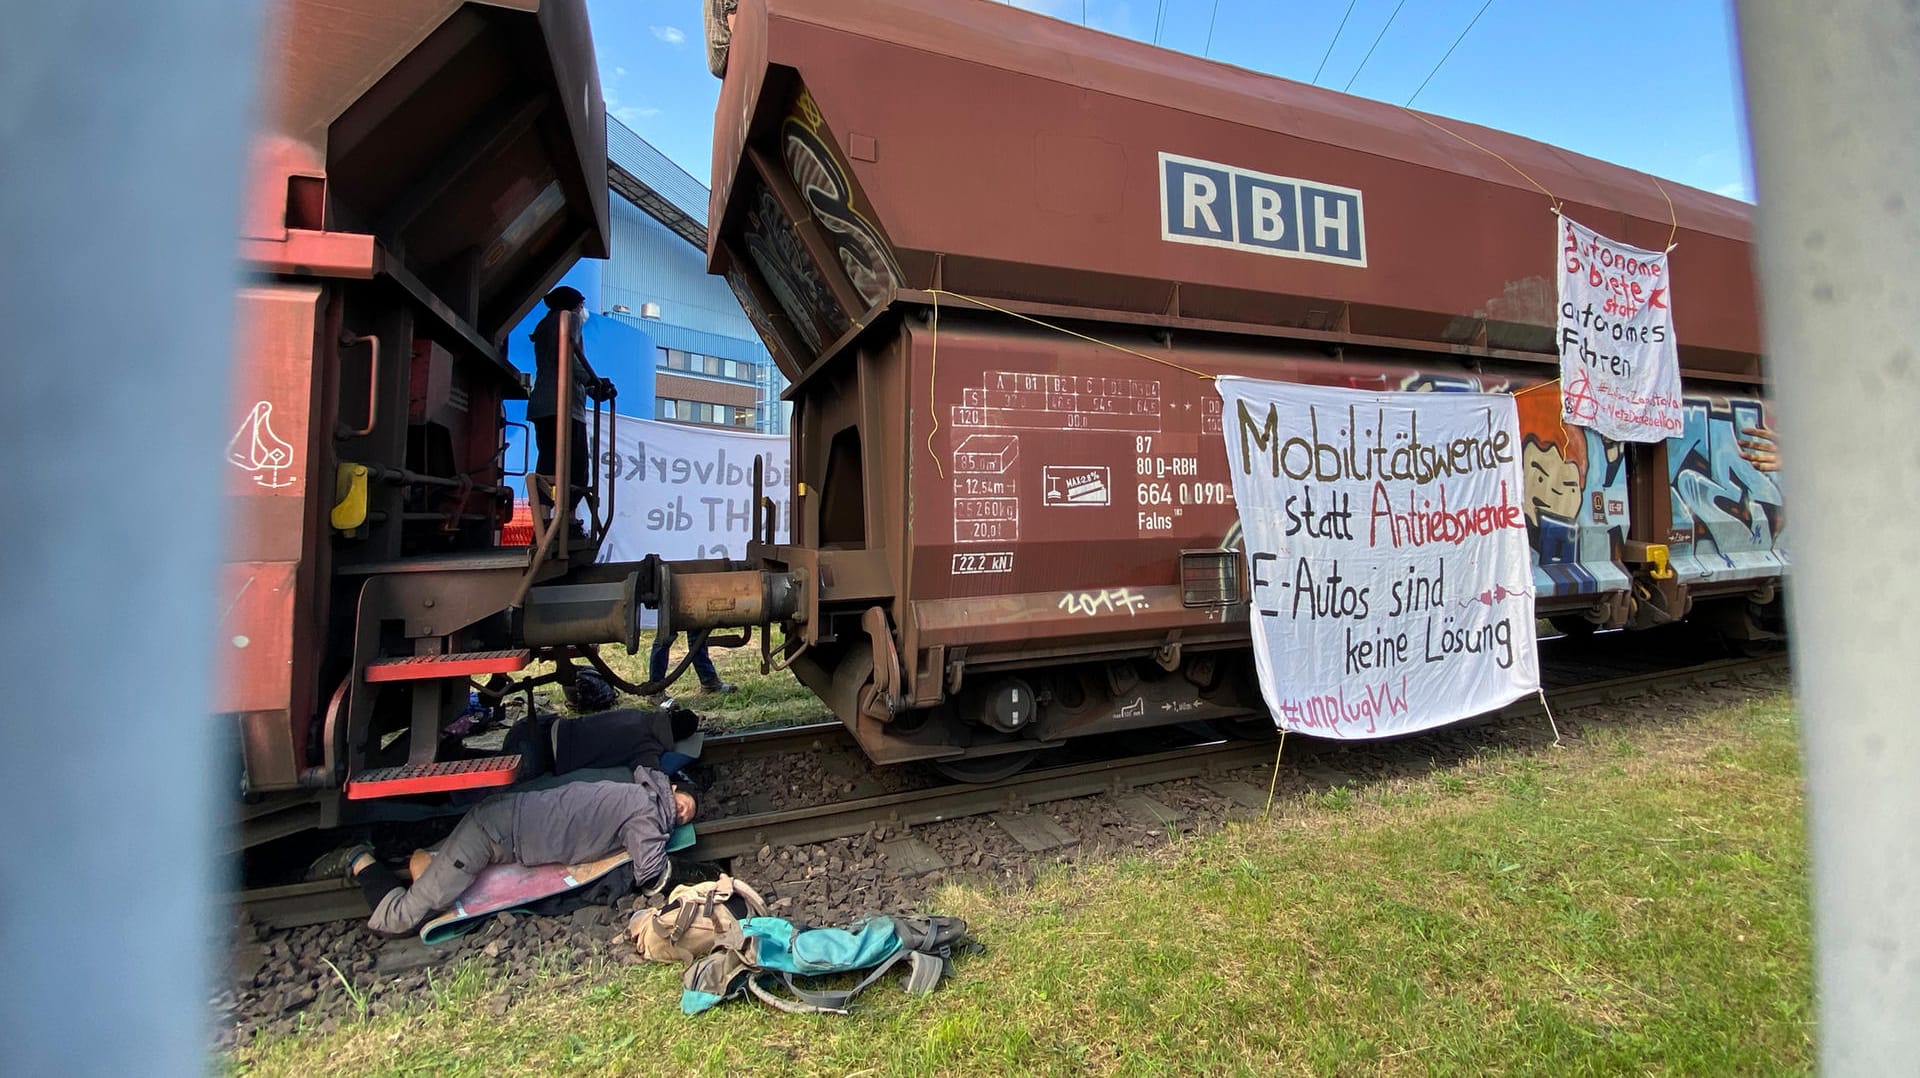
[{"x": 769, "y": 952}]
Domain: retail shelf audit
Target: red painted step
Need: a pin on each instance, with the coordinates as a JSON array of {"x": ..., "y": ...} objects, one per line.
[
  {"x": 432, "y": 778},
  {"x": 458, "y": 664}
]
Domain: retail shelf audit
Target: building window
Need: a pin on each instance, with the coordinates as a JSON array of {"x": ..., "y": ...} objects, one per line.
[
  {"x": 675, "y": 359},
  {"x": 718, "y": 415}
]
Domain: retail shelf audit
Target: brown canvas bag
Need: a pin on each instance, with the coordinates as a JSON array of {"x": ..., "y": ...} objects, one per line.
[{"x": 696, "y": 918}]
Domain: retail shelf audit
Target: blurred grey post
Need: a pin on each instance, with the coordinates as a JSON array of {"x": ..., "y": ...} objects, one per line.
[
  {"x": 122, "y": 129},
  {"x": 1833, "y": 91}
]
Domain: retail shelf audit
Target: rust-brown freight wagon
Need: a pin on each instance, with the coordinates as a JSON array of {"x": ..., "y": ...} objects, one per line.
[
  {"x": 422, "y": 171},
  {"x": 994, "y": 251}
]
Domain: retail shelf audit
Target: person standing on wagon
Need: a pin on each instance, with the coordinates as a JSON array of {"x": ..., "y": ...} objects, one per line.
[{"x": 543, "y": 405}]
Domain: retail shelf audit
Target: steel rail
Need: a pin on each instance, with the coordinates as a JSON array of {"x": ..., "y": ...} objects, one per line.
[
  {"x": 297, "y": 905},
  {"x": 721, "y": 839},
  {"x": 301, "y": 904},
  {"x": 726, "y": 748},
  {"x": 739, "y": 835}
]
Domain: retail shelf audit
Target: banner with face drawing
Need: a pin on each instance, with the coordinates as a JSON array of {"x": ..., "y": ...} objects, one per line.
[{"x": 1386, "y": 541}]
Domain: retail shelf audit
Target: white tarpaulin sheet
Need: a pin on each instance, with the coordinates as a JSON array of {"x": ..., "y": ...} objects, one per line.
[
  {"x": 1387, "y": 547},
  {"x": 687, "y": 492},
  {"x": 1619, "y": 368}
]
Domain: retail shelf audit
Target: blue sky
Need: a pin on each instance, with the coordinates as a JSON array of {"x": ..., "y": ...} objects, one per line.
[{"x": 1650, "y": 84}]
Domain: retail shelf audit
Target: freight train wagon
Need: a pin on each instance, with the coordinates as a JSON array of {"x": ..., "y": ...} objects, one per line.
[
  {"x": 995, "y": 252},
  {"x": 421, "y": 173}
]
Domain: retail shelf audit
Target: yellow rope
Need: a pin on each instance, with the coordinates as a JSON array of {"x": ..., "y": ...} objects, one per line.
[
  {"x": 933, "y": 365},
  {"x": 937, "y": 292},
  {"x": 1536, "y": 183},
  {"x": 1275, "y": 784},
  {"x": 1671, "y": 216}
]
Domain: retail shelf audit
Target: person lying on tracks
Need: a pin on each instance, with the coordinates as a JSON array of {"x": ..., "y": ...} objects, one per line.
[
  {"x": 625, "y": 737},
  {"x": 567, "y": 824}
]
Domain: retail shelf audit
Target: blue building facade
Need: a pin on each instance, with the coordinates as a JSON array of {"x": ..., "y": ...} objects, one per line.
[{"x": 618, "y": 351}]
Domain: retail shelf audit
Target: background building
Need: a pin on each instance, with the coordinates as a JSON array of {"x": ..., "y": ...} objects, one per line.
[
  {"x": 671, "y": 336},
  {"x": 711, "y": 366}
]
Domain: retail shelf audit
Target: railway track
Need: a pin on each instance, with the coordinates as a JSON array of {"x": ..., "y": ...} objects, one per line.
[{"x": 301, "y": 904}]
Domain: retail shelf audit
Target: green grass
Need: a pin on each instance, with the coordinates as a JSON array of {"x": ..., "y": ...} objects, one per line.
[
  {"x": 761, "y": 701},
  {"x": 1633, "y": 902}
]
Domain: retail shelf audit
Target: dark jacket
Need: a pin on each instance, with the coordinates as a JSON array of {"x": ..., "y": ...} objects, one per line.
[
  {"x": 546, "y": 370},
  {"x": 585, "y": 821},
  {"x": 628, "y": 738}
]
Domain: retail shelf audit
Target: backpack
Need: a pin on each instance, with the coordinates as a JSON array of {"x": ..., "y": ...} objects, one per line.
[
  {"x": 765, "y": 955},
  {"x": 696, "y": 918}
]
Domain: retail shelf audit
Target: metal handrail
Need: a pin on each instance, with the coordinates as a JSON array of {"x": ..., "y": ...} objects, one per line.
[
  {"x": 562, "y": 435},
  {"x": 526, "y": 449},
  {"x": 594, "y": 525},
  {"x": 613, "y": 481},
  {"x": 372, "y": 341},
  {"x": 562, "y": 432}
]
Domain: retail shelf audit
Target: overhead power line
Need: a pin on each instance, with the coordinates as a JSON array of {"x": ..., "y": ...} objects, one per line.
[
  {"x": 1335, "y": 41},
  {"x": 1158, "y": 15},
  {"x": 1449, "y": 52},
  {"x": 1210, "y": 19},
  {"x": 1375, "y": 45}
]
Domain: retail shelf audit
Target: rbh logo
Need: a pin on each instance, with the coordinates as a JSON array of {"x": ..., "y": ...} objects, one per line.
[{"x": 1221, "y": 206}]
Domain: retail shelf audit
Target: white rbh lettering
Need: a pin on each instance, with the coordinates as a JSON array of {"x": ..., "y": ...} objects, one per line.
[
  {"x": 1201, "y": 192},
  {"x": 1268, "y": 224}
]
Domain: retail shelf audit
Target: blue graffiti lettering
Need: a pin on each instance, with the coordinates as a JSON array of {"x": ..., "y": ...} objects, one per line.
[{"x": 1727, "y": 515}]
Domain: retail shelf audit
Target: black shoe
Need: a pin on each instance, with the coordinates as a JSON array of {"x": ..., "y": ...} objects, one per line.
[
  {"x": 659, "y": 884},
  {"x": 337, "y": 864}
]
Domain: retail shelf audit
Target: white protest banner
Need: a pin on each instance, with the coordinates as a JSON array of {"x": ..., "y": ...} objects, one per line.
[
  {"x": 687, "y": 492},
  {"x": 1391, "y": 585},
  {"x": 1619, "y": 367}
]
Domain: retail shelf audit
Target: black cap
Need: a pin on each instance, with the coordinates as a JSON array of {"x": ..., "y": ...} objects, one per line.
[
  {"x": 685, "y": 784},
  {"x": 564, "y": 298}
]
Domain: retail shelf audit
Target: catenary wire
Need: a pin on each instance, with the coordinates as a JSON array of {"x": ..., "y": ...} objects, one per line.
[
  {"x": 1335, "y": 41},
  {"x": 1449, "y": 52},
  {"x": 1375, "y": 45}
]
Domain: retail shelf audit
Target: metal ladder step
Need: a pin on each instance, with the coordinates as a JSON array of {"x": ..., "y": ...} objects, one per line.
[
  {"x": 458, "y": 664},
  {"x": 433, "y": 778}
]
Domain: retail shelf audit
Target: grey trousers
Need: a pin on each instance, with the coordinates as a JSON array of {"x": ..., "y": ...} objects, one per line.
[{"x": 483, "y": 837}]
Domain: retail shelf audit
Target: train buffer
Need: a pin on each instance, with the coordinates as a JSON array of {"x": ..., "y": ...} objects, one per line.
[
  {"x": 458, "y": 664},
  {"x": 438, "y": 777}
]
